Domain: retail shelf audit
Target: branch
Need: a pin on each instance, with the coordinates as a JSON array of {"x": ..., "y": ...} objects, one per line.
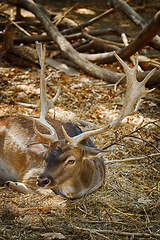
[
  {"x": 135, "y": 18},
  {"x": 87, "y": 35},
  {"x": 128, "y": 134},
  {"x": 143, "y": 38},
  {"x": 65, "y": 46},
  {"x": 118, "y": 233},
  {"x": 131, "y": 159}
]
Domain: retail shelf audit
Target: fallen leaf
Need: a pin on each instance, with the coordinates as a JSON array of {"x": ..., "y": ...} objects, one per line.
[
  {"x": 53, "y": 236},
  {"x": 144, "y": 201}
]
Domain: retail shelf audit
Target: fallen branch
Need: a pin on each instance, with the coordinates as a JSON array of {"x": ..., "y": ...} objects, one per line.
[
  {"x": 131, "y": 159},
  {"x": 125, "y": 41},
  {"x": 64, "y": 14},
  {"x": 65, "y": 46},
  {"x": 143, "y": 38},
  {"x": 41, "y": 38},
  {"x": 155, "y": 100},
  {"x": 96, "y": 33},
  {"x": 118, "y": 233},
  {"x": 148, "y": 63},
  {"x": 135, "y": 18},
  {"x": 87, "y": 35},
  {"x": 79, "y": 28}
]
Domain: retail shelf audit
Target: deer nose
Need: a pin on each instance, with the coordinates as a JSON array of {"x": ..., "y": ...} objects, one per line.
[{"x": 43, "y": 182}]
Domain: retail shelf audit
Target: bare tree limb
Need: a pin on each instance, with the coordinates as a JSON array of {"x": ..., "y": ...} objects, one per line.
[
  {"x": 135, "y": 18},
  {"x": 71, "y": 30},
  {"x": 87, "y": 35},
  {"x": 119, "y": 233},
  {"x": 142, "y": 39},
  {"x": 65, "y": 46}
]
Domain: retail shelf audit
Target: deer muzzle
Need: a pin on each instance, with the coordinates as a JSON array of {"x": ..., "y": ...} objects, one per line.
[{"x": 45, "y": 181}]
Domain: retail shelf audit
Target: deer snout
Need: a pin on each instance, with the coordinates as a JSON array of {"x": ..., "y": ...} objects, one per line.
[{"x": 43, "y": 182}]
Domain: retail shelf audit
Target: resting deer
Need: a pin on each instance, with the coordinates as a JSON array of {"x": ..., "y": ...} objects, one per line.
[{"x": 73, "y": 165}]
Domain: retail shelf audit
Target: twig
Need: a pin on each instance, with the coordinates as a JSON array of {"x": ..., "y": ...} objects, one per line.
[
  {"x": 149, "y": 143},
  {"x": 147, "y": 217},
  {"x": 99, "y": 32},
  {"x": 129, "y": 222},
  {"x": 1, "y": 238},
  {"x": 136, "y": 148},
  {"x": 155, "y": 136},
  {"x": 127, "y": 135},
  {"x": 125, "y": 40},
  {"x": 130, "y": 215},
  {"x": 118, "y": 233},
  {"x": 86, "y": 212},
  {"x": 115, "y": 85},
  {"x": 108, "y": 214},
  {"x": 86, "y": 24},
  {"x": 65, "y": 13},
  {"x": 136, "y": 19},
  {"x": 93, "y": 231},
  {"x": 20, "y": 28},
  {"x": 27, "y": 104},
  {"x": 86, "y": 35},
  {"x": 45, "y": 225},
  {"x": 156, "y": 100},
  {"x": 131, "y": 159}
]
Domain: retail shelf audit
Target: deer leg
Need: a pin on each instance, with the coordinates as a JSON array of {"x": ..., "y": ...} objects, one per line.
[{"x": 20, "y": 187}]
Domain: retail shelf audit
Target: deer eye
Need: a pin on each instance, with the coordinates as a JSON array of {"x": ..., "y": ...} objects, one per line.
[{"x": 70, "y": 160}]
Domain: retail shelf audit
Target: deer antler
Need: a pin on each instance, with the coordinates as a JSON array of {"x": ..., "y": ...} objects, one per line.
[
  {"x": 46, "y": 103},
  {"x": 135, "y": 91}
]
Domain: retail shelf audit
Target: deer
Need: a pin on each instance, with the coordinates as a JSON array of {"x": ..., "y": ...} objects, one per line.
[{"x": 43, "y": 155}]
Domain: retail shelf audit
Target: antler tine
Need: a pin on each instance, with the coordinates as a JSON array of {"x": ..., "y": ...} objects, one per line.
[
  {"x": 134, "y": 92},
  {"x": 46, "y": 103}
]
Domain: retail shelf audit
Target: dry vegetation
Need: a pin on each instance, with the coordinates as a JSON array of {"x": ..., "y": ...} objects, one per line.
[{"x": 127, "y": 206}]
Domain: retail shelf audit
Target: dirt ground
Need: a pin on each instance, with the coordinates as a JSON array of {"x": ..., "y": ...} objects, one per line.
[{"x": 127, "y": 206}]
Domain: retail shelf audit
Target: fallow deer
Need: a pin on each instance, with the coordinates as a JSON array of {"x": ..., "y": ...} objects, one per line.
[{"x": 73, "y": 165}]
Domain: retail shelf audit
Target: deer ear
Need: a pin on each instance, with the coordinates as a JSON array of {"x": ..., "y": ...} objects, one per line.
[
  {"x": 93, "y": 153},
  {"x": 38, "y": 148}
]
